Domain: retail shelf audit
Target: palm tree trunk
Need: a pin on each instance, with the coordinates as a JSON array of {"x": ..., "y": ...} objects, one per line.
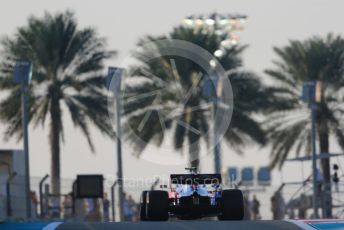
[
  {"x": 325, "y": 165},
  {"x": 55, "y": 114}
]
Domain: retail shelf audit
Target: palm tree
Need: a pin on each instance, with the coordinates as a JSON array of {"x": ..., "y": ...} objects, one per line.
[
  {"x": 174, "y": 79},
  {"x": 67, "y": 76},
  {"x": 289, "y": 122}
]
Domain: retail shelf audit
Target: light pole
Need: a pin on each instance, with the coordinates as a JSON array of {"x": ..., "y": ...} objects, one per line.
[
  {"x": 114, "y": 80},
  {"x": 314, "y": 162},
  {"x": 222, "y": 25},
  {"x": 22, "y": 74},
  {"x": 217, "y": 143},
  {"x": 311, "y": 94}
]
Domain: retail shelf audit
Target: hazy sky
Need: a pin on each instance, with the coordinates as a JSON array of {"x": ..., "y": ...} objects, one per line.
[{"x": 270, "y": 23}]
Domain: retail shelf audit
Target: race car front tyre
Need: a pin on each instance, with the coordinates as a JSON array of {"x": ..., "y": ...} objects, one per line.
[
  {"x": 157, "y": 206},
  {"x": 143, "y": 206},
  {"x": 232, "y": 205}
]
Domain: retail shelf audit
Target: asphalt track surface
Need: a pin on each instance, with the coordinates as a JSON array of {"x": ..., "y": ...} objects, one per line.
[{"x": 183, "y": 225}]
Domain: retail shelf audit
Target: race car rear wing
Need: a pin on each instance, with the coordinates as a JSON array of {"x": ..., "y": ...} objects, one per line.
[{"x": 195, "y": 178}]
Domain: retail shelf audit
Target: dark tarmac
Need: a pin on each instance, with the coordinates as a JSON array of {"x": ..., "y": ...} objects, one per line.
[{"x": 183, "y": 225}]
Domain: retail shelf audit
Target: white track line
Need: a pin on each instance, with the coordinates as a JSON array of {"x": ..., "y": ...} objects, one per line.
[
  {"x": 301, "y": 224},
  {"x": 52, "y": 226}
]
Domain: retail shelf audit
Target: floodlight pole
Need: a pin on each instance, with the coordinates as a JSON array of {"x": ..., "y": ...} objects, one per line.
[
  {"x": 314, "y": 161},
  {"x": 25, "y": 121},
  {"x": 22, "y": 75},
  {"x": 311, "y": 96},
  {"x": 215, "y": 97},
  {"x": 115, "y": 74},
  {"x": 119, "y": 158},
  {"x": 217, "y": 152},
  {"x": 217, "y": 109}
]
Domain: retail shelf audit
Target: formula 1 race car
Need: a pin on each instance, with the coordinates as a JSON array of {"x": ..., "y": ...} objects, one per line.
[{"x": 192, "y": 196}]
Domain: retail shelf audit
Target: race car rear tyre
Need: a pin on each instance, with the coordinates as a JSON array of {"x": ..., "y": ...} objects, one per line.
[
  {"x": 232, "y": 205},
  {"x": 143, "y": 206},
  {"x": 157, "y": 206}
]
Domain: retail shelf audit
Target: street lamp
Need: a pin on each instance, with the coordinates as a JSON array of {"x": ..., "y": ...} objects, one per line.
[
  {"x": 22, "y": 74},
  {"x": 114, "y": 79},
  {"x": 311, "y": 94}
]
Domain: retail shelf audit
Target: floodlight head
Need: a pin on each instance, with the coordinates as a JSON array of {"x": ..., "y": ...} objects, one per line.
[
  {"x": 308, "y": 92},
  {"x": 22, "y": 71},
  {"x": 114, "y": 74},
  {"x": 311, "y": 92}
]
